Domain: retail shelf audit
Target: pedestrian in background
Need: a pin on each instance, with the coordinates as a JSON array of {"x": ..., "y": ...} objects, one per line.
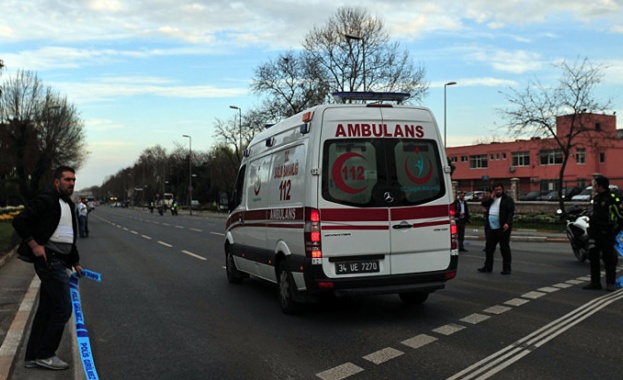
[
  {"x": 83, "y": 212},
  {"x": 486, "y": 196},
  {"x": 48, "y": 229},
  {"x": 462, "y": 218},
  {"x": 602, "y": 231},
  {"x": 500, "y": 209}
]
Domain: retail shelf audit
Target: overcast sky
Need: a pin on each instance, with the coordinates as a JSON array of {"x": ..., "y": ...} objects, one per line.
[{"x": 146, "y": 72}]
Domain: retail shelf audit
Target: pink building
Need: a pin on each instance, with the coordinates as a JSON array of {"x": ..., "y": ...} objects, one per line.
[{"x": 537, "y": 162}]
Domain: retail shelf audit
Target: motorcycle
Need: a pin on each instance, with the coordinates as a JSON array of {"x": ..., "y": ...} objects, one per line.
[
  {"x": 174, "y": 209},
  {"x": 577, "y": 230}
]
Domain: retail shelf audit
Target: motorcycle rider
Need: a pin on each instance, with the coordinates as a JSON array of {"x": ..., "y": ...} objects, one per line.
[{"x": 602, "y": 234}]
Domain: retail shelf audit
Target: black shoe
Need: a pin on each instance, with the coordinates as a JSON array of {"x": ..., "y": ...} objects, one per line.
[
  {"x": 484, "y": 270},
  {"x": 592, "y": 286},
  {"x": 505, "y": 272},
  {"x": 463, "y": 250},
  {"x": 611, "y": 287}
]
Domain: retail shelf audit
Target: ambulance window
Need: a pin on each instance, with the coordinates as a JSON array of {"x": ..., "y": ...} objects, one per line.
[
  {"x": 418, "y": 171},
  {"x": 349, "y": 171},
  {"x": 238, "y": 190}
]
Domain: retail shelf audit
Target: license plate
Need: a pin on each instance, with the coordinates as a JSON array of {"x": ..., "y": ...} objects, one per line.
[{"x": 347, "y": 267}]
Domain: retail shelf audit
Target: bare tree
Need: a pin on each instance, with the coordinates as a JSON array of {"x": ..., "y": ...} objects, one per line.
[
  {"x": 352, "y": 52},
  {"x": 535, "y": 109},
  {"x": 41, "y": 130}
]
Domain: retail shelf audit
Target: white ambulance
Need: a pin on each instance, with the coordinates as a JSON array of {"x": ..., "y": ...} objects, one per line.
[{"x": 345, "y": 198}]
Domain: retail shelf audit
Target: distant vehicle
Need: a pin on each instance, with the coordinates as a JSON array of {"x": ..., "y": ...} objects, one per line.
[
  {"x": 569, "y": 192},
  {"x": 587, "y": 193},
  {"x": 531, "y": 196},
  {"x": 478, "y": 195},
  {"x": 552, "y": 196},
  {"x": 475, "y": 196},
  {"x": 168, "y": 199}
]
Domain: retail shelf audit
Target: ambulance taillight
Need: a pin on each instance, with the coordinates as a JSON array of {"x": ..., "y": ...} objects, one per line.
[
  {"x": 312, "y": 235},
  {"x": 453, "y": 228}
]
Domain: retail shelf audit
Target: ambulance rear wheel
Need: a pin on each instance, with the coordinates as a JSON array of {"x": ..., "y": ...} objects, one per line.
[
  {"x": 234, "y": 276},
  {"x": 287, "y": 288},
  {"x": 414, "y": 298}
]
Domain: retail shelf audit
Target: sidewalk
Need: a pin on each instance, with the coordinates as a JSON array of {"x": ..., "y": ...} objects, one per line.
[
  {"x": 19, "y": 290},
  {"x": 520, "y": 235}
]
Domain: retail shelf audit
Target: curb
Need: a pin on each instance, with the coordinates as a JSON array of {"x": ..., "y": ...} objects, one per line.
[{"x": 11, "y": 343}]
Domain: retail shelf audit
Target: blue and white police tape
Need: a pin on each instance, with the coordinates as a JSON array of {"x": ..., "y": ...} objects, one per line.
[{"x": 81, "y": 331}]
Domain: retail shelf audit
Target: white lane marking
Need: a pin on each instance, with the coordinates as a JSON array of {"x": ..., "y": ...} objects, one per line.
[
  {"x": 340, "y": 372},
  {"x": 146, "y": 237},
  {"x": 498, "y": 309},
  {"x": 180, "y": 227},
  {"x": 548, "y": 289},
  {"x": 516, "y": 302},
  {"x": 514, "y": 352},
  {"x": 562, "y": 285},
  {"x": 419, "y": 341},
  {"x": 194, "y": 255},
  {"x": 475, "y": 318},
  {"x": 196, "y": 230},
  {"x": 381, "y": 356},
  {"x": 217, "y": 233},
  {"x": 134, "y": 232},
  {"x": 533, "y": 295},
  {"x": 165, "y": 244},
  {"x": 165, "y": 224},
  {"x": 448, "y": 329}
]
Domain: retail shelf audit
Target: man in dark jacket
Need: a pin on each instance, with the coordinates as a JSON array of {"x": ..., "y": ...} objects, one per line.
[
  {"x": 500, "y": 210},
  {"x": 462, "y": 218},
  {"x": 602, "y": 232},
  {"x": 48, "y": 229}
]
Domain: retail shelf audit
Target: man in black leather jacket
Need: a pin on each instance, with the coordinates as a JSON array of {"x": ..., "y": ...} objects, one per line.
[
  {"x": 601, "y": 234},
  {"x": 48, "y": 229}
]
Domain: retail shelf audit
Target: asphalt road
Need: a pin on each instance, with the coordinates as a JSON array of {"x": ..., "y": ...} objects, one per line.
[{"x": 165, "y": 310}]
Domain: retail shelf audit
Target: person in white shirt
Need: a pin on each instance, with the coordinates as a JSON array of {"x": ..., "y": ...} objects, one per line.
[
  {"x": 500, "y": 211},
  {"x": 83, "y": 212}
]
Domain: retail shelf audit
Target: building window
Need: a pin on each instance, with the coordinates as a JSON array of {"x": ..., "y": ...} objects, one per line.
[
  {"x": 602, "y": 157},
  {"x": 453, "y": 159},
  {"x": 551, "y": 157},
  {"x": 598, "y": 126},
  {"x": 477, "y": 162},
  {"x": 497, "y": 156},
  {"x": 504, "y": 156},
  {"x": 521, "y": 159},
  {"x": 464, "y": 158},
  {"x": 580, "y": 156}
]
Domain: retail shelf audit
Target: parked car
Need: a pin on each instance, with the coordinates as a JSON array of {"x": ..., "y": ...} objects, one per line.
[
  {"x": 569, "y": 192},
  {"x": 531, "y": 196},
  {"x": 587, "y": 194},
  {"x": 477, "y": 197},
  {"x": 469, "y": 196},
  {"x": 552, "y": 196}
]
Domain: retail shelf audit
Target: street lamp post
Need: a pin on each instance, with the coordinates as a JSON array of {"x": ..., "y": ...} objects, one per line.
[
  {"x": 444, "y": 112},
  {"x": 363, "y": 54},
  {"x": 239, "y": 126},
  {"x": 190, "y": 173}
]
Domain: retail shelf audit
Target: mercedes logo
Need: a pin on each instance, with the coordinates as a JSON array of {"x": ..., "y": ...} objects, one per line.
[{"x": 389, "y": 198}]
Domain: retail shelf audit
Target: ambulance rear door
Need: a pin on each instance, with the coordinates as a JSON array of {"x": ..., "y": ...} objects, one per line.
[{"x": 355, "y": 231}]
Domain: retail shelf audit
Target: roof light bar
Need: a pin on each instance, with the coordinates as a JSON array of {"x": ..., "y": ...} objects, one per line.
[{"x": 369, "y": 95}]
